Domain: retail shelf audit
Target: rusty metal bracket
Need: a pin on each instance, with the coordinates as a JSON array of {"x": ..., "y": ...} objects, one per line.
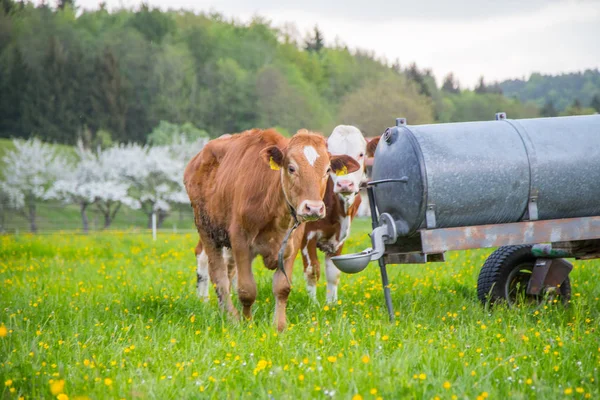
[
  {"x": 532, "y": 208},
  {"x": 413, "y": 258},
  {"x": 548, "y": 273},
  {"x": 430, "y": 216},
  {"x": 530, "y": 232}
]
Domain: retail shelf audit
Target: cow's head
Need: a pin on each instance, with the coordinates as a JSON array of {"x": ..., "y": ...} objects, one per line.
[
  {"x": 305, "y": 165},
  {"x": 348, "y": 140}
]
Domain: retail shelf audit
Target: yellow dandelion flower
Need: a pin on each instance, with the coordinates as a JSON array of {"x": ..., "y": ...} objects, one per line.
[
  {"x": 173, "y": 340},
  {"x": 8, "y": 382},
  {"x": 366, "y": 359},
  {"x": 326, "y": 308},
  {"x": 332, "y": 359},
  {"x": 447, "y": 385},
  {"x": 385, "y": 337},
  {"x": 373, "y": 391},
  {"x": 57, "y": 387},
  {"x": 3, "y": 331},
  {"x": 422, "y": 377},
  {"x": 301, "y": 377},
  {"x": 579, "y": 390},
  {"x": 192, "y": 318},
  {"x": 62, "y": 396},
  {"x": 108, "y": 381},
  {"x": 357, "y": 397},
  {"x": 484, "y": 395},
  {"x": 568, "y": 391},
  {"x": 529, "y": 381}
]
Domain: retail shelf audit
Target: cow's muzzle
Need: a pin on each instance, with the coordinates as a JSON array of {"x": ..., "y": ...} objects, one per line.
[
  {"x": 311, "y": 210},
  {"x": 345, "y": 187}
]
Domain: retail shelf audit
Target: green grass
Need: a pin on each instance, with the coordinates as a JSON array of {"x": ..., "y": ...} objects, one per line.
[
  {"x": 53, "y": 216},
  {"x": 115, "y": 316}
]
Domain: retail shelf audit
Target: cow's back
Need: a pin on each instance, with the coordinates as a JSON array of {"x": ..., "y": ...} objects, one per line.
[{"x": 228, "y": 178}]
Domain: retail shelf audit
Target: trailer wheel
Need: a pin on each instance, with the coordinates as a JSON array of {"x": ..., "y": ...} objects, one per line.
[{"x": 505, "y": 275}]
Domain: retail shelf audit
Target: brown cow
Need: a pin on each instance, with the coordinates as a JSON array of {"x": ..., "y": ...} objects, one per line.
[
  {"x": 342, "y": 201},
  {"x": 243, "y": 190}
]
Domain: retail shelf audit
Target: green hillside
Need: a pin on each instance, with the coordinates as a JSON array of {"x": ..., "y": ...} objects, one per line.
[{"x": 561, "y": 90}]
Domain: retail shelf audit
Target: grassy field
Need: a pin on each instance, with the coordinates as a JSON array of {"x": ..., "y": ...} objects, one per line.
[
  {"x": 115, "y": 316},
  {"x": 53, "y": 216}
]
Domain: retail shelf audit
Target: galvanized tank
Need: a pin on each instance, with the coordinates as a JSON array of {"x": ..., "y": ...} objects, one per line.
[{"x": 491, "y": 172}]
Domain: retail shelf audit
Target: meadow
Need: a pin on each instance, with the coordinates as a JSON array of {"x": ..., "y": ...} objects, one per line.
[{"x": 115, "y": 315}]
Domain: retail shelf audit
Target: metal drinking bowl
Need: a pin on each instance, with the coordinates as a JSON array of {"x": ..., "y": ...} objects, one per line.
[{"x": 353, "y": 263}]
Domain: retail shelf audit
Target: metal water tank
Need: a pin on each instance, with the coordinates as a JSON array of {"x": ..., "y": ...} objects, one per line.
[{"x": 491, "y": 172}]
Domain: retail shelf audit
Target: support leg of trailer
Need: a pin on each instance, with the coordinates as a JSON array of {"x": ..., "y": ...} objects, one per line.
[
  {"x": 382, "y": 269},
  {"x": 386, "y": 289}
]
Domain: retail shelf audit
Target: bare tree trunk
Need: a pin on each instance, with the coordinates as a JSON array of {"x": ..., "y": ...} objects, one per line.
[
  {"x": 114, "y": 213},
  {"x": 109, "y": 215},
  {"x": 84, "y": 217},
  {"x": 162, "y": 215},
  {"x": 107, "y": 220},
  {"x": 32, "y": 216}
]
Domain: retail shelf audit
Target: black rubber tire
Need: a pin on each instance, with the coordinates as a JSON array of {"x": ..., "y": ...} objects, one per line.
[{"x": 511, "y": 263}]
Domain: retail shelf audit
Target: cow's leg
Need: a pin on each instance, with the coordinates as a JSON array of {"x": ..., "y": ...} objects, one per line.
[
  {"x": 245, "y": 279},
  {"x": 333, "y": 277},
  {"x": 312, "y": 268},
  {"x": 218, "y": 274},
  {"x": 202, "y": 272},
  {"x": 281, "y": 285},
  {"x": 231, "y": 269}
]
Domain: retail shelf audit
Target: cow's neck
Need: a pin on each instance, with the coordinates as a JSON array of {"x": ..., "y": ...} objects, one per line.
[
  {"x": 287, "y": 214},
  {"x": 346, "y": 202}
]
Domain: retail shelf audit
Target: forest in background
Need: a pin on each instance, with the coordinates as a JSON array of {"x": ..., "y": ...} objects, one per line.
[{"x": 113, "y": 77}]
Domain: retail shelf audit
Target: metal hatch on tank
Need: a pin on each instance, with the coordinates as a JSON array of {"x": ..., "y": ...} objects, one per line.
[{"x": 510, "y": 183}]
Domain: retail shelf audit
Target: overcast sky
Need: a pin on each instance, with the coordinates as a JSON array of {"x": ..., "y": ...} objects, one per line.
[{"x": 498, "y": 39}]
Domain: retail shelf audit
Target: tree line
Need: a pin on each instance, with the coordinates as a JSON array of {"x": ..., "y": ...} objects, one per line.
[
  {"x": 568, "y": 94},
  {"x": 104, "y": 77}
]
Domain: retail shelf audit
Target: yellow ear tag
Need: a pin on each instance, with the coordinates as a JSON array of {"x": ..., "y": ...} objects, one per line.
[
  {"x": 273, "y": 164},
  {"x": 343, "y": 171}
]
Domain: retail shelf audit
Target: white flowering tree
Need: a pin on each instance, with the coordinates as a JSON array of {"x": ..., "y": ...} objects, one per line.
[
  {"x": 111, "y": 188},
  {"x": 156, "y": 174},
  {"x": 29, "y": 172},
  {"x": 95, "y": 180}
]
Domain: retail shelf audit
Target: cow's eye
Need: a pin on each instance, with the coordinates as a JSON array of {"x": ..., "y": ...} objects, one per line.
[
  {"x": 328, "y": 170},
  {"x": 291, "y": 169},
  {"x": 361, "y": 155}
]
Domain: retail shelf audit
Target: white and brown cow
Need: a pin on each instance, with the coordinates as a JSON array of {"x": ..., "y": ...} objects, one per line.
[
  {"x": 243, "y": 190},
  {"x": 342, "y": 201}
]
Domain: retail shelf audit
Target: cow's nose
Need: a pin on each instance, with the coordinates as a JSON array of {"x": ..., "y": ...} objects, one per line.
[
  {"x": 311, "y": 210},
  {"x": 345, "y": 186}
]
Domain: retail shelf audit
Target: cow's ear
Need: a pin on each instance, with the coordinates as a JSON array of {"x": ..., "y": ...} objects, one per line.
[
  {"x": 371, "y": 146},
  {"x": 273, "y": 156},
  {"x": 344, "y": 165}
]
